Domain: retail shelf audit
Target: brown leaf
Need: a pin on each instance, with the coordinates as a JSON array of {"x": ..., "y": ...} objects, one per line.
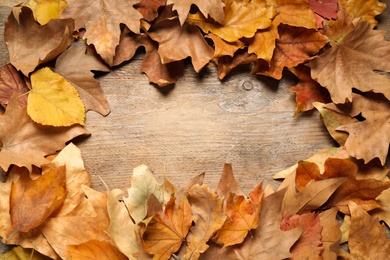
[
  {"x": 44, "y": 42},
  {"x": 224, "y": 48},
  {"x": 227, "y": 63},
  {"x": 178, "y": 42},
  {"x": 309, "y": 244},
  {"x": 294, "y": 46},
  {"x": 165, "y": 232},
  {"x": 33, "y": 201},
  {"x": 32, "y": 142},
  {"x": 330, "y": 233},
  {"x": 353, "y": 63},
  {"x": 76, "y": 65},
  {"x": 307, "y": 90},
  {"x": 208, "y": 216},
  {"x": 367, "y": 237},
  {"x": 227, "y": 183},
  {"x": 10, "y": 82},
  {"x": 149, "y": 8},
  {"x": 295, "y": 13},
  {"x": 94, "y": 249},
  {"x": 102, "y": 26}
]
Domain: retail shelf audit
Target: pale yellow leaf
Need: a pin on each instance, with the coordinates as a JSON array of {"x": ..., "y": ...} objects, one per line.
[{"x": 45, "y": 10}]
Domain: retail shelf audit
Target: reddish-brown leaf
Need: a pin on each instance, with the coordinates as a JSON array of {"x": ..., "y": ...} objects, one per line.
[
  {"x": 11, "y": 81},
  {"x": 149, "y": 8},
  {"x": 94, "y": 249},
  {"x": 324, "y": 9},
  {"x": 227, "y": 63}
]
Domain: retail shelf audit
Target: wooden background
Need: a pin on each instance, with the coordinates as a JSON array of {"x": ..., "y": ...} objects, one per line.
[{"x": 196, "y": 125}]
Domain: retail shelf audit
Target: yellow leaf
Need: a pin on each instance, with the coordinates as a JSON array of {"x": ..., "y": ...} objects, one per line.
[
  {"x": 20, "y": 253},
  {"x": 53, "y": 100},
  {"x": 242, "y": 19},
  {"x": 45, "y": 10},
  {"x": 364, "y": 9},
  {"x": 94, "y": 249}
]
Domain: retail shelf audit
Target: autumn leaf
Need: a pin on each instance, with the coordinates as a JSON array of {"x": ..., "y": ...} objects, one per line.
[
  {"x": 19, "y": 253},
  {"x": 363, "y": 9},
  {"x": 324, "y": 9},
  {"x": 149, "y": 8},
  {"x": 227, "y": 183},
  {"x": 178, "y": 42},
  {"x": 373, "y": 243},
  {"x": 208, "y": 217},
  {"x": 32, "y": 142},
  {"x": 213, "y": 8},
  {"x": 53, "y": 100},
  {"x": 45, "y": 10},
  {"x": 330, "y": 233},
  {"x": 224, "y": 48},
  {"x": 45, "y": 41},
  {"x": 309, "y": 244},
  {"x": 33, "y": 201},
  {"x": 370, "y": 138},
  {"x": 165, "y": 232},
  {"x": 307, "y": 90},
  {"x": 76, "y": 65},
  {"x": 103, "y": 27},
  {"x": 353, "y": 64},
  {"x": 143, "y": 184},
  {"x": 94, "y": 249},
  {"x": 295, "y": 13},
  {"x": 262, "y": 44},
  {"x": 10, "y": 82},
  {"x": 242, "y": 19},
  {"x": 227, "y": 63},
  {"x": 294, "y": 46}
]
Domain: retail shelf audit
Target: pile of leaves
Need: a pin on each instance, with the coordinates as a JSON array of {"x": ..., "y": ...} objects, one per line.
[{"x": 341, "y": 61}]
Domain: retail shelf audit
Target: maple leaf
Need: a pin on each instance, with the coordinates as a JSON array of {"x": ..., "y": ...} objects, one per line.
[
  {"x": 32, "y": 142},
  {"x": 263, "y": 43},
  {"x": 45, "y": 42},
  {"x": 227, "y": 63},
  {"x": 122, "y": 229},
  {"x": 178, "y": 42},
  {"x": 45, "y": 10},
  {"x": 224, "y": 48},
  {"x": 364, "y": 9},
  {"x": 324, "y": 9},
  {"x": 213, "y": 8},
  {"x": 208, "y": 216},
  {"x": 352, "y": 64},
  {"x": 165, "y": 232},
  {"x": 373, "y": 244},
  {"x": 294, "y": 46},
  {"x": 76, "y": 65},
  {"x": 33, "y": 201},
  {"x": 149, "y": 8},
  {"x": 307, "y": 90},
  {"x": 103, "y": 30},
  {"x": 53, "y": 100},
  {"x": 94, "y": 249},
  {"x": 295, "y": 13},
  {"x": 10, "y": 82},
  {"x": 242, "y": 19},
  {"x": 227, "y": 183},
  {"x": 330, "y": 233},
  {"x": 143, "y": 184},
  {"x": 370, "y": 138},
  {"x": 362, "y": 191},
  {"x": 309, "y": 244}
]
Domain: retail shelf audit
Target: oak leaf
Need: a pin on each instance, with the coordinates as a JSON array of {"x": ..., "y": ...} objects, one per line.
[
  {"x": 165, "y": 232},
  {"x": 208, "y": 217},
  {"x": 53, "y": 100},
  {"x": 242, "y": 19},
  {"x": 76, "y": 65},
  {"x": 143, "y": 184},
  {"x": 33, "y": 201},
  {"x": 352, "y": 64},
  {"x": 45, "y": 10},
  {"x": 372, "y": 244},
  {"x": 10, "y": 82},
  {"x": 294, "y": 46},
  {"x": 149, "y": 8},
  {"x": 32, "y": 142},
  {"x": 94, "y": 249},
  {"x": 45, "y": 42},
  {"x": 383, "y": 212},
  {"x": 178, "y": 42},
  {"x": 370, "y": 138},
  {"x": 102, "y": 26},
  {"x": 364, "y": 9},
  {"x": 330, "y": 233},
  {"x": 213, "y": 8},
  {"x": 309, "y": 244},
  {"x": 307, "y": 90}
]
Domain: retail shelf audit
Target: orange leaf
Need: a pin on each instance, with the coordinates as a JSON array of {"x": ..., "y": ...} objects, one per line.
[
  {"x": 166, "y": 231},
  {"x": 33, "y": 201},
  {"x": 309, "y": 245},
  {"x": 295, "y": 13},
  {"x": 94, "y": 249},
  {"x": 364, "y": 9},
  {"x": 331, "y": 233}
]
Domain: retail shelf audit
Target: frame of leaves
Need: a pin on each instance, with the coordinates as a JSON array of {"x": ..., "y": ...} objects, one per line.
[{"x": 312, "y": 39}]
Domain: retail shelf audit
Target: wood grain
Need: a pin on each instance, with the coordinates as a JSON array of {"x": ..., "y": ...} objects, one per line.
[{"x": 197, "y": 125}]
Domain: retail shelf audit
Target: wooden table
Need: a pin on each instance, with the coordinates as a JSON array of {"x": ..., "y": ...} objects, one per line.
[{"x": 197, "y": 125}]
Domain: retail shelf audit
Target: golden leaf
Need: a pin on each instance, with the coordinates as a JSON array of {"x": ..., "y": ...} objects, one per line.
[{"x": 45, "y": 10}]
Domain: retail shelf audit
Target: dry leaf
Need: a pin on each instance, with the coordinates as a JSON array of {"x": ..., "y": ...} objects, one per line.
[
  {"x": 295, "y": 13},
  {"x": 45, "y": 10},
  {"x": 10, "y": 82},
  {"x": 19, "y": 253},
  {"x": 149, "y": 8},
  {"x": 227, "y": 183},
  {"x": 331, "y": 233},
  {"x": 33, "y": 201},
  {"x": 44, "y": 42},
  {"x": 324, "y": 9},
  {"x": 227, "y": 63},
  {"x": 53, "y": 100},
  {"x": 94, "y": 249},
  {"x": 364, "y": 9},
  {"x": 263, "y": 43}
]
